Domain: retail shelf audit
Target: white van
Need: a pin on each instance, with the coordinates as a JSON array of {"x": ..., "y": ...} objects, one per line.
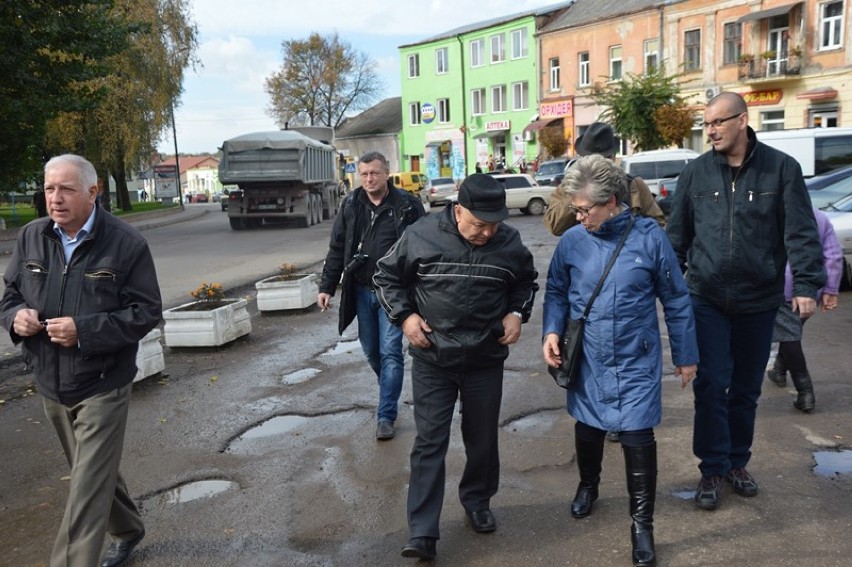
[
  {"x": 654, "y": 165},
  {"x": 818, "y": 150}
]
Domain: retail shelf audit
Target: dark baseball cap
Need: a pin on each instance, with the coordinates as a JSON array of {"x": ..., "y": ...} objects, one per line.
[{"x": 484, "y": 197}]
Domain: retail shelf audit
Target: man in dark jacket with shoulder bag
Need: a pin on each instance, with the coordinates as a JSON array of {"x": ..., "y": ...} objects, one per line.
[
  {"x": 739, "y": 211},
  {"x": 459, "y": 284},
  {"x": 371, "y": 219},
  {"x": 81, "y": 292}
]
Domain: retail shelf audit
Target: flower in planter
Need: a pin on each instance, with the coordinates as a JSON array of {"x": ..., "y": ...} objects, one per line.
[{"x": 208, "y": 292}]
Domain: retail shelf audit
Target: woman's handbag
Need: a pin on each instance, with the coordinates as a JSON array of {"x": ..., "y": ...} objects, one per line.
[{"x": 571, "y": 343}]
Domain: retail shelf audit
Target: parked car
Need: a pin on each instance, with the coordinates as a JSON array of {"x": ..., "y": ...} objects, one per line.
[
  {"x": 830, "y": 193},
  {"x": 522, "y": 192},
  {"x": 197, "y": 198},
  {"x": 411, "y": 181},
  {"x": 551, "y": 172},
  {"x": 654, "y": 165},
  {"x": 441, "y": 189},
  {"x": 666, "y": 196}
]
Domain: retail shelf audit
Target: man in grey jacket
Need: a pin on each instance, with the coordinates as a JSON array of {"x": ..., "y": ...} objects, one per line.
[
  {"x": 81, "y": 291},
  {"x": 459, "y": 284},
  {"x": 739, "y": 210}
]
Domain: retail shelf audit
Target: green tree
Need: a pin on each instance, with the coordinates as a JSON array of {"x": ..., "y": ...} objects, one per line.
[
  {"x": 632, "y": 104},
  {"x": 320, "y": 80},
  {"x": 52, "y": 53},
  {"x": 552, "y": 139},
  {"x": 120, "y": 134}
]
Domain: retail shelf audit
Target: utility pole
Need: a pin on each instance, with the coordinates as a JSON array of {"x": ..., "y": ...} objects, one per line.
[{"x": 177, "y": 161}]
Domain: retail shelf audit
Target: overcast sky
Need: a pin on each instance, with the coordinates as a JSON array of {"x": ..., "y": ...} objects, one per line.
[{"x": 240, "y": 46}]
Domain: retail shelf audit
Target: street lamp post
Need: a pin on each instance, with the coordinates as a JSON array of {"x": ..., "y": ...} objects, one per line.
[{"x": 177, "y": 161}]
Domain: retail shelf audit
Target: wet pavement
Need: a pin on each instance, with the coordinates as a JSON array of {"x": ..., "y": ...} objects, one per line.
[{"x": 262, "y": 452}]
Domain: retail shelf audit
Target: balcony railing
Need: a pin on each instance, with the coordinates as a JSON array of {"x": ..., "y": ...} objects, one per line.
[{"x": 768, "y": 68}]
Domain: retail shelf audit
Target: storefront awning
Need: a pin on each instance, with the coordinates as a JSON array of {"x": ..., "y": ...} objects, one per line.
[
  {"x": 764, "y": 14},
  {"x": 539, "y": 124},
  {"x": 823, "y": 93},
  {"x": 492, "y": 134}
]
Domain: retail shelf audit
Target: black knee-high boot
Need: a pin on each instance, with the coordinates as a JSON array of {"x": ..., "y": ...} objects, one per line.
[
  {"x": 805, "y": 400},
  {"x": 589, "y": 458},
  {"x": 778, "y": 373},
  {"x": 641, "y": 466}
]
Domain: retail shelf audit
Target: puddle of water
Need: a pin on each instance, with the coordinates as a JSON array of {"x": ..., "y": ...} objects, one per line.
[
  {"x": 343, "y": 347},
  {"x": 539, "y": 425},
  {"x": 299, "y": 376},
  {"x": 275, "y": 426},
  {"x": 195, "y": 490},
  {"x": 684, "y": 493},
  {"x": 833, "y": 463}
]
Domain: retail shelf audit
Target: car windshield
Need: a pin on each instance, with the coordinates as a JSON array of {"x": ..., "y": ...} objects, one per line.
[
  {"x": 844, "y": 205},
  {"x": 442, "y": 181},
  {"x": 551, "y": 167},
  {"x": 830, "y": 194}
]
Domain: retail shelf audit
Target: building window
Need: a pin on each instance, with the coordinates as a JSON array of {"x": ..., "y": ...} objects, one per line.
[
  {"x": 477, "y": 102},
  {"x": 443, "y": 110},
  {"x": 615, "y": 63},
  {"x": 477, "y": 53},
  {"x": 414, "y": 113},
  {"x": 519, "y": 43},
  {"x": 498, "y": 98},
  {"x": 652, "y": 55},
  {"x": 692, "y": 50},
  {"x": 831, "y": 25},
  {"x": 414, "y": 66},
  {"x": 442, "y": 65},
  {"x": 733, "y": 47},
  {"x": 520, "y": 96},
  {"x": 772, "y": 120},
  {"x": 554, "y": 74},
  {"x": 498, "y": 48},
  {"x": 584, "y": 78}
]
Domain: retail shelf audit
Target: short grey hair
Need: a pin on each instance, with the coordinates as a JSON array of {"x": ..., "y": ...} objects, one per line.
[
  {"x": 86, "y": 171},
  {"x": 370, "y": 157},
  {"x": 599, "y": 177}
]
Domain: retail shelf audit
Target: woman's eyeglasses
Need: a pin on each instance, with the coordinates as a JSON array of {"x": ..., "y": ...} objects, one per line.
[{"x": 581, "y": 210}]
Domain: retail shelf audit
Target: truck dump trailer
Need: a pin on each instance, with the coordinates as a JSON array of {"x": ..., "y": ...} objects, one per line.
[{"x": 281, "y": 174}]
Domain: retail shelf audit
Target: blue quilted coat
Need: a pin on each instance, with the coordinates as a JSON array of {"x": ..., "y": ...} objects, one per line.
[{"x": 621, "y": 374}]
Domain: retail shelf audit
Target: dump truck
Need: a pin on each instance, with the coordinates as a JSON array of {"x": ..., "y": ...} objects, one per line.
[{"x": 281, "y": 174}]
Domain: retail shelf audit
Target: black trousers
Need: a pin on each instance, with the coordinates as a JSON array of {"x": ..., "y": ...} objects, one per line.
[{"x": 435, "y": 391}]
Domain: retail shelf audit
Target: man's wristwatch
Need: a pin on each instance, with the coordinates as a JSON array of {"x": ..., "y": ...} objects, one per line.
[{"x": 517, "y": 314}]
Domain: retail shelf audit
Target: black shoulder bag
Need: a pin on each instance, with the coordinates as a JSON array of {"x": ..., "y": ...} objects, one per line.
[{"x": 571, "y": 344}]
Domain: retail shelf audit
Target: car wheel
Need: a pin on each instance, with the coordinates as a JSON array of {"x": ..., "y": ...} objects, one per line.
[
  {"x": 536, "y": 207},
  {"x": 525, "y": 211}
]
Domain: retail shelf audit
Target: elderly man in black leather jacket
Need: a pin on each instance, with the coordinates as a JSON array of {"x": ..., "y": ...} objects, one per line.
[
  {"x": 81, "y": 291},
  {"x": 460, "y": 284}
]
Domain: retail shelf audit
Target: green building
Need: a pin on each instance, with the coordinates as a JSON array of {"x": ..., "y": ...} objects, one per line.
[{"x": 468, "y": 94}]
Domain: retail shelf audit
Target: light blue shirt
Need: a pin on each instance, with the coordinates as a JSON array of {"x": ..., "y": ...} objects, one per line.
[{"x": 70, "y": 244}]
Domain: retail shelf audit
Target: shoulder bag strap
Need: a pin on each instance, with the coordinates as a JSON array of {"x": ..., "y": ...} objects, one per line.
[{"x": 609, "y": 266}]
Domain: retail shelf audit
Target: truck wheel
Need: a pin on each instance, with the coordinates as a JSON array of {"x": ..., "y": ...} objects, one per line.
[
  {"x": 317, "y": 209},
  {"x": 237, "y": 223},
  {"x": 255, "y": 223},
  {"x": 536, "y": 207}
]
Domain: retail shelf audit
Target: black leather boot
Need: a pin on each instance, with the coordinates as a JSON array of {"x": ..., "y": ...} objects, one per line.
[
  {"x": 778, "y": 374},
  {"x": 589, "y": 458},
  {"x": 805, "y": 400},
  {"x": 641, "y": 466}
]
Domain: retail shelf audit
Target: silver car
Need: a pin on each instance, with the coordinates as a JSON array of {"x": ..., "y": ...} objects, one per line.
[{"x": 441, "y": 189}]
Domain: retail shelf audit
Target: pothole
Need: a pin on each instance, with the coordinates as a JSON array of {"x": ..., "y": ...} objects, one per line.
[
  {"x": 195, "y": 490},
  {"x": 343, "y": 347},
  {"x": 285, "y": 429},
  {"x": 833, "y": 463},
  {"x": 299, "y": 376},
  {"x": 543, "y": 425}
]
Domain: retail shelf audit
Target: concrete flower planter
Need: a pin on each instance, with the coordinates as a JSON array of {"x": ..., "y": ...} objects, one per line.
[
  {"x": 286, "y": 292},
  {"x": 201, "y": 323},
  {"x": 149, "y": 357}
]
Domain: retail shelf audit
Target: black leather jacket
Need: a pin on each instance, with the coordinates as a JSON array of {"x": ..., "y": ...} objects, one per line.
[
  {"x": 735, "y": 234},
  {"x": 462, "y": 291},
  {"x": 353, "y": 219},
  {"x": 110, "y": 289}
]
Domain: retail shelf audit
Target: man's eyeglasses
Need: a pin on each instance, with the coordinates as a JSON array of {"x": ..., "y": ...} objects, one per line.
[
  {"x": 581, "y": 210},
  {"x": 719, "y": 121}
]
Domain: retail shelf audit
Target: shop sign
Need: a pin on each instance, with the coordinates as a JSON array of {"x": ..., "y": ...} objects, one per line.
[
  {"x": 557, "y": 109},
  {"x": 497, "y": 125},
  {"x": 427, "y": 112},
  {"x": 758, "y": 98}
]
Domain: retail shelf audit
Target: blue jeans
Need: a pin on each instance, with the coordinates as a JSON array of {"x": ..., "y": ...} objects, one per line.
[
  {"x": 733, "y": 350},
  {"x": 382, "y": 345}
]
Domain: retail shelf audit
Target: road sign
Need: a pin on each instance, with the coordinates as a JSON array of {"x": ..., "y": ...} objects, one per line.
[{"x": 349, "y": 168}]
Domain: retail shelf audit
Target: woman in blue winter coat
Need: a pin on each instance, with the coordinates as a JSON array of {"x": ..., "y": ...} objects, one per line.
[{"x": 621, "y": 371}]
